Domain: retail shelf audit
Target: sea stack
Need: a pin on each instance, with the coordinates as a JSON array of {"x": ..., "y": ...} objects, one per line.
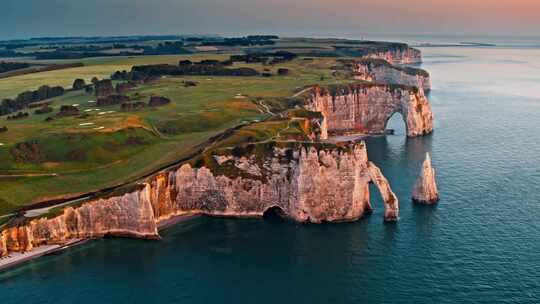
[{"x": 425, "y": 191}]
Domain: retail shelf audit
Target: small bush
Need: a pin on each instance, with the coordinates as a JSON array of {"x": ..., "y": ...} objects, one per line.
[{"x": 43, "y": 110}]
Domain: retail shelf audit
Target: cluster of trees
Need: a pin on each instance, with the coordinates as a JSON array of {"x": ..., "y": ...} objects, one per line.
[
  {"x": 79, "y": 52},
  {"x": 124, "y": 87},
  {"x": 283, "y": 72},
  {"x": 120, "y": 75},
  {"x": 68, "y": 110},
  {"x": 24, "y": 99},
  {"x": 19, "y": 115},
  {"x": 203, "y": 68},
  {"x": 43, "y": 110},
  {"x": 79, "y": 84},
  {"x": 61, "y": 54},
  {"x": 85, "y": 47},
  {"x": 103, "y": 87},
  {"x": 11, "y": 66},
  {"x": 79, "y": 48},
  {"x": 166, "y": 48},
  {"x": 270, "y": 58},
  {"x": 132, "y": 106},
  {"x": 189, "y": 83},
  {"x": 244, "y": 41},
  {"x": 262, "y": 37},
  {"x": 155, "y": 101},
  {"x": 29, "y": 151},
  {"x": 110, "y": 100}
]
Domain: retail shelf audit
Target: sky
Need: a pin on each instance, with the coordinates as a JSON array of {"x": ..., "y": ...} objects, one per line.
[{"x": 345, "y": 18}]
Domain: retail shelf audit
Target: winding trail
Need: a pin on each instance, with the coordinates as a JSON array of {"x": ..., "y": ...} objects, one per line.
[
  {"x": 42, "y": 211},
  {"x": 29, "y": 175},
  {"x": 302, "y": 92},
  {"x": 265, "y": 109}
]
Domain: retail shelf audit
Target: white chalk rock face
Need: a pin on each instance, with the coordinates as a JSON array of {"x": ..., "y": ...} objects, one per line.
[
  {"x": 365, "y": 108},
  {"x": 310, "y": 183},
  {"x": 425, "y": 191},
  {"x": 380, "y": 71},
  {"x": 402, "y": 54}
]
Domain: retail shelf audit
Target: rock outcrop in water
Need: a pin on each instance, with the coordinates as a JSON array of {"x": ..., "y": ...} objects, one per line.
[
  {"x": 307, "y": 182},
  {"x": 366, "y": 108},
  {"x": 391, "y": 206},
  {"x": 380, "y": 71},
  {"x": 425, "y": 191}
]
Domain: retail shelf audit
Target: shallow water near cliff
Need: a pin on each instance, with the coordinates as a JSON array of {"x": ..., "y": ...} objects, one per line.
[{"x": 481, "y": 244}]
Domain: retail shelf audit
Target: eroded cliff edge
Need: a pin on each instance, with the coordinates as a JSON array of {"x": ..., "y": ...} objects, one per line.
[
  {"x": 381, "y": 71},
  {"x": 308, "y": 182},
  {"x": 366, "y": 108},
  {"x": 399, "y": 53}
]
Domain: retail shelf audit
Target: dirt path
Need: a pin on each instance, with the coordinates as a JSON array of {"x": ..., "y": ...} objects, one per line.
[
  {"x": 30, "y": 175},
  {"x": 42, "y": 211},
  {"x": 301, "y": 92},
  {"x": 204, "y": 148},
  {"x": 266, "y": 108}
]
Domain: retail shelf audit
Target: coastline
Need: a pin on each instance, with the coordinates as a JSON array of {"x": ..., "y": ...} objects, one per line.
[
  {"x": 16, "y": 259},
  {"x": 165, "y": 224},
  {"x": 129, "y": 203}
]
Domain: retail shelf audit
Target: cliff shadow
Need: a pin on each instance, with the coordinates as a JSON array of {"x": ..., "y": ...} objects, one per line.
[{"x": 274, "y": 214}]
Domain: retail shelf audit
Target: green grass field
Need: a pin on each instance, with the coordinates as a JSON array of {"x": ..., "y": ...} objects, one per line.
[
  {"x": 107, "y": 147},
  {"x": 94, "y": 67}
]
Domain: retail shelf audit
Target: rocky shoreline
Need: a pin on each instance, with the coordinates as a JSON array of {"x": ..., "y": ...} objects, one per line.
[
  {"x": 308, "y": 182},
  {"x": 15, "y": 259}
]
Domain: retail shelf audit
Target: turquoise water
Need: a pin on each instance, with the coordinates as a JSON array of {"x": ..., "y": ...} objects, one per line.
[{"x": 481, "y": 244}]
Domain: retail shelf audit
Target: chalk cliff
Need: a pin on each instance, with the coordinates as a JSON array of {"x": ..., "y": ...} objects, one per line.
[
  {"x": 3, "y": 247},
  {"x": 306, "y": 182},
  {"x": 425, "y": 191},
  {"x": 130, "y": 214},
  {"x": 380, "y": 71},
  {"x": 402, "y": 54},
  {"x": 366, "y": 108}
]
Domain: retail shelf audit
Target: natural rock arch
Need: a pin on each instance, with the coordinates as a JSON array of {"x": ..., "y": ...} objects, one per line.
[
  {"x": 366, "y": 108},
  {"x": 397, "y": 115},
  {"x": 390, "y": 200}
]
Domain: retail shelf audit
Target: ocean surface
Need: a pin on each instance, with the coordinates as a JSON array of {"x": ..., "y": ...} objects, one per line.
[{"x": 480, "y": 244}]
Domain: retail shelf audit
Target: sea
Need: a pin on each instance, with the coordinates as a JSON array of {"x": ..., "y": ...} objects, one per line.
[{"x": 480, "y": 244}]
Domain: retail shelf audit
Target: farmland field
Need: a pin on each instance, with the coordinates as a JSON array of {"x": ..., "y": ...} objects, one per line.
[{"x": 105, "y": 146}]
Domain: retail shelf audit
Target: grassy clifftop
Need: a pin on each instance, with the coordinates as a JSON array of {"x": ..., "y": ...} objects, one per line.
[
  {"x": 49, "y": 156},
  {"x": 106, "y": 146}
]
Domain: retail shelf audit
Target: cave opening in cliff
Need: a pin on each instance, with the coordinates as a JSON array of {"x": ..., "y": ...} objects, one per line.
[
  {"x": 274, "y": 213},
  {"x": 395, "y": 125}
]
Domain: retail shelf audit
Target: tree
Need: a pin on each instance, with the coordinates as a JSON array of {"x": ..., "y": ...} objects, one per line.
[
  {"x": 79, "y": 84},
  {"x": 283, "y": 71}
]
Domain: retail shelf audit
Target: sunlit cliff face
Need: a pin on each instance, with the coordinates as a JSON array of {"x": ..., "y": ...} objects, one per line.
[{"x": 67, "y": 17}]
